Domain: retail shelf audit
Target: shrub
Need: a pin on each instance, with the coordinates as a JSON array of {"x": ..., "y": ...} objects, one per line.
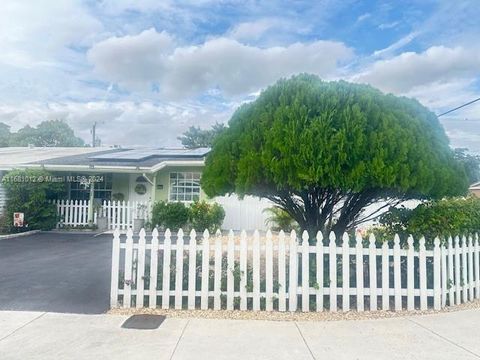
[
  {"x": 442, "y": 218},
  {"x": 206, "y": 216},
  {"x": 279, "y": 219},
  {"x": 29, "y": 191},
  {"x": 173, "y": 215}
]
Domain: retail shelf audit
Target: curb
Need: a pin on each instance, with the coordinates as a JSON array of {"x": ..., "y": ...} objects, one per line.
[{"x": 11, "y": 236}]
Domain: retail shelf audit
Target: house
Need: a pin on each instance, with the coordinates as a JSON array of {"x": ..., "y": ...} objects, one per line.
[
  {"x": 132, "y": 175},
  {"x": 475, "y": 189},
  {"x": 117, "y": 174}
]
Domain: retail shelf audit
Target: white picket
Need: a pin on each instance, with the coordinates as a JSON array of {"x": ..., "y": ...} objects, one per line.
[
  {"x": 345, "y": 273},
  {"x": 305, "y": 272},
  {"x": 293, "y": 271},
  {"x": 166, "y": 270},
  {"x": 359, "y": 273},
  {"x": 477, "y": 268},
  {"x": 217, "y": 276},
  {"x": 332, "y": 252},
  {"x": 457, "y": 271},
  {"x": 115, "y": 270},
  {"x": 282, "y": 282},
  {"x": 464, "y": 270},
  {"x": 444, "y": 276},
  {"x": 140, "y": 269},
  {"x": 128, "y": 279},
  {"x": 439, "y": 274},
  {"x": 192, "y": 269},
  {"x": 152, "y": 298},
  {"x": 397, "y": 275},
  {"x": 179, "y": 271},
  {"x": 319, "y": 272},
  {"x": 372, "y": 259},
  {"x": 205, "y": 270},
  {"x": 451, "y": 276},
  {"x": 422, "y": 263},
  {"x": 256, "y": 270},
  {"x": 470, "y": 269},
  {"x": 243, "y": 270},
  {"x": 410, "y": 274},
  {"x": 269, "y": 272},
  {"x": 385, "y": 277},
  {"x": 230, "y": 270}
]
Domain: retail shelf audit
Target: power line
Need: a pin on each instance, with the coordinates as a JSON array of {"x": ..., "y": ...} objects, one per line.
[{"x": 459, "y": 107}]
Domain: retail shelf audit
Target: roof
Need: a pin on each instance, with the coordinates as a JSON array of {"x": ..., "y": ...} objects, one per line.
[
  {"x": 11, "y": 157},
  {"x": 475, "y": 186},
  {"x": 101, "y": 159}
]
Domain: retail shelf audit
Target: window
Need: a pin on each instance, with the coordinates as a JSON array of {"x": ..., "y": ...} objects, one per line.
[
  {"x": 103, "y": 187},
  {"x": 184, "y": 186}
]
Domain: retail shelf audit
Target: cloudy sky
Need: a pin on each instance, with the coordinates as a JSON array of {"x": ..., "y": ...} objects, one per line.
[{"x": 145, "y": 70}]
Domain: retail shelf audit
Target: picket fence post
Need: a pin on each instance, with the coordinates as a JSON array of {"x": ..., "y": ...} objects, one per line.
[
  {"x": 243, "y": 270},
  {"x": 166, "y": 270},
  {"x": 141, "y": 269},
  {"x": 179, "y": 271},
  {"x": 205, "y": 270},
  {"x": 372, "y": 259},
  {"x": 359, "y": 272},
  {"x": 319, "y": 272},
  {"x": 477, "y": 268},
  {"x": 305, "y": 272},
  {"x": 231, "y": 269},
  {"x": 385, "y": 277},
  {"x": 192, "y": 268},
  {"x": 128, "y": 281},
  {"x": 422, "y": 261},
  {"x": 217, "y": 277},
  {"x": 345, "y": 273},
  {"x": 293, "y": 271},
  {"x": 438, "y": 275},
  {"x": 152, "y": 299},
  {"x": 115, "y": 270},
  {"x": 268, "y": 272},
  {"x": 282, "y": 282}
]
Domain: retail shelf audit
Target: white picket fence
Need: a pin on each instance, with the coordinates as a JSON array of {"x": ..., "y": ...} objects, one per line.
[
  {"x": 259, "y": 272},
  {"x": 73, "y": 213},
  {"x": 119, "y": 214}
]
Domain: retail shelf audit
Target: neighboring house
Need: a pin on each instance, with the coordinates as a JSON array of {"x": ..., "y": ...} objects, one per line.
[
  {"x": 475, "y": 189},
  {"x": 133, "y": 175}
]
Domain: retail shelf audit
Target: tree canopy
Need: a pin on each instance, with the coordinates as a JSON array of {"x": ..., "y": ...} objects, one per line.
[
  {"x": 195, "y": 137},
  {"x": 51, "y": 133},
  {"x": 323, "y": 151}
]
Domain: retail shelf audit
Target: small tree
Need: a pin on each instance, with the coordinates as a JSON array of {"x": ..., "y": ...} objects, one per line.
[
  {"x": 29, "y": 191},
  {"x": 195, "y": 137},
  {"x": 324, "y": 151}
]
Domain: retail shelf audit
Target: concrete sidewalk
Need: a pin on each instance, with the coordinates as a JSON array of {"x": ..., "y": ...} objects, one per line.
[{"x": 37, "y": 335}]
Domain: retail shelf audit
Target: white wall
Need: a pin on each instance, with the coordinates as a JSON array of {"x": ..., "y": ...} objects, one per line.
[
  {"x": 3, "y": 195},
  {"x": 244, "y": 214}
]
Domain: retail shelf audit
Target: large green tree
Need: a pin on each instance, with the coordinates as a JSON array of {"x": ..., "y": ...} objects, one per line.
[
  {"x": 51, "y": 133},
  {"x": 324, "y": 151}
]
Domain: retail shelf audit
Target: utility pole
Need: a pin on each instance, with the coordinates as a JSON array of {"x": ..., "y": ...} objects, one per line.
[{"x": 93, "y": 133}]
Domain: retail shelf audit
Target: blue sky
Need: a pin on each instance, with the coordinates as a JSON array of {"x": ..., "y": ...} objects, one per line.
[{"x": 145, "y": 70}]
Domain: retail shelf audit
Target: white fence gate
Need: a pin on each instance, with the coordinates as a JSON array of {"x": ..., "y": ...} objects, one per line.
[
  {"x": 119, "y": 214},
  {"x": 280, "y": 273}
]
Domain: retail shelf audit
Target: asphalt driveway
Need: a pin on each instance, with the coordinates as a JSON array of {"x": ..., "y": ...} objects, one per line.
[{"x": 68, "y": 273}]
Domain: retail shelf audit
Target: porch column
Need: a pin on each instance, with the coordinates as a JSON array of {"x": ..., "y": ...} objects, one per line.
[{"x": 90, "y": 203}]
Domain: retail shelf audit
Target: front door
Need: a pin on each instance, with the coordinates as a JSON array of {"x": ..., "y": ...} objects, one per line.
[{"x": 140, "y": 188}]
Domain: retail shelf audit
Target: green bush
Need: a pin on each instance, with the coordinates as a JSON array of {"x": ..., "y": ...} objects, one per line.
[
  {"x": 442, "y": 218},
  {"x": 279, "y": 219},
  {"x": 172, "y": 215},
  {"x": 29, "y": 191},
  {"x": 206, "y": 216}
]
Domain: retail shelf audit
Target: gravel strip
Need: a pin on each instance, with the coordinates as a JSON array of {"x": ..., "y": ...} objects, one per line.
[{"x": 287, "y": 316}]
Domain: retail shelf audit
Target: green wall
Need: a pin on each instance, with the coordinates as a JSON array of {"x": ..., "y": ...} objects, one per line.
[{"x": 163, "y": 178}]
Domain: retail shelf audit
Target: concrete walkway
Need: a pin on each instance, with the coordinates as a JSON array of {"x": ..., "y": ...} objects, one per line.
[{"x": 39, "y": 335}]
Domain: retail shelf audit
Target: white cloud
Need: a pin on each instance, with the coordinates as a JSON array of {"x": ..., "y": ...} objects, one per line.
[
  {"x": 125, "y": 123},
  {"x": 253, "y": 30},
  {"x": 37, "y": 33},
  {"x": 438, "y": 64},
  {"x": 396, "y": 45},
  {"x": 223, "y": 63}
]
